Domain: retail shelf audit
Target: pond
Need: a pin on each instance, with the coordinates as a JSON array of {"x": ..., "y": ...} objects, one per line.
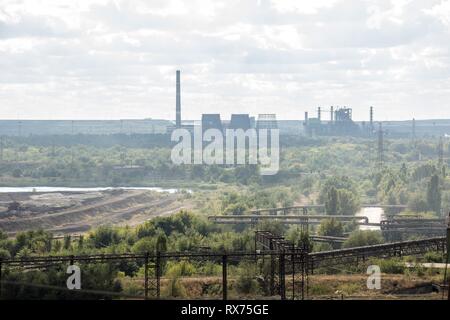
[
  {"x": 70, "y": 189},
  {"x": 375, "y": 215}
]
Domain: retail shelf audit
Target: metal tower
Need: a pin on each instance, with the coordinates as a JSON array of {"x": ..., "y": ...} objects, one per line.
[
  {"x": 178, "y": 101},
  {"x": 441, "y": 152},
  {"x": 1, "y": 148},
  {"x": 380, "y": 147},
  {"x": 371, "y": 118}
]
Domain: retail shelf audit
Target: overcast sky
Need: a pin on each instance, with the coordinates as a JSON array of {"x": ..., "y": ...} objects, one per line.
[{"x": 117, "y": 59}]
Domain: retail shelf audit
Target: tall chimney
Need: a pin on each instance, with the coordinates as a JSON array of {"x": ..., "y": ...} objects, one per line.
[
  {"x": 319, "y": 113},
  {"x": 371, "y": 117},
  {"x": 306, "y": 118},
  {"x": 178, "y": 103},
  {"x": 332, "y": 114}
]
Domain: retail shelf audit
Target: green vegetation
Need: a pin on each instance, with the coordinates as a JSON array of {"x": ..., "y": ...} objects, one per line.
[
  {"x": 340, "y": 173},
  {"x": 363, "y": 238}
]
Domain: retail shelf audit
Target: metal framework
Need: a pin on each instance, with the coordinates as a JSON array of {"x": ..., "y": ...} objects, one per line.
[
  {"x": 286, "y": 210},
  {"x": 288, "y": 219},
  {"x": 393, "y": 228},
  {"x": 327, "y": 239},
  {"x": 292, "y": 261},
  {"x": 285, "y": 260},
  {"x": 361, "y": 254},
  {"x": 304, "y": 209}
]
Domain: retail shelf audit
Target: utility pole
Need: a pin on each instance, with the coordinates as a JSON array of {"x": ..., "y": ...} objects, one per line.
[
  {"x": 441, "y": 152},
  {"x": 224, "y": 278},
  {"x": 332, "y": 114},
  {"x": 1, "y": 149},
  {"x": 380, "y": 147},
  {"x": 447, "y": 260},
  {"x": 371, "y": 118}
]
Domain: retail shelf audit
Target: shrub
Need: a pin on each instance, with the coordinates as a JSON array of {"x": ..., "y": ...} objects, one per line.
[
  {"x": 176, "y": 289},
  {"x": 361, "y": 238},
  {"x": 246, "y": 281},
  {"x": 390, "y": 266}
]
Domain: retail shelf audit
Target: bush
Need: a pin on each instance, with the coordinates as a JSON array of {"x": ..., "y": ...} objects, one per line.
[
  {"x": 144, "y": 245},
  {"x": 246, "y": 281},
  {"x": 434, "y": 257},
  {"x": 176, "y": 289},
  {"x": 180, "y": 269},
  {"x": 105, "y": 236},
  {"x": 390, "y": 266},
  {"x": 4, "y": 254},
  {"x": 331, "y": 227},
  {"x": 361, "y": 238},
  {"x": 418, "y": 203}
]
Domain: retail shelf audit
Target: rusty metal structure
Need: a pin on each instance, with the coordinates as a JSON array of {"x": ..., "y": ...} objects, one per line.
[
  {"x": 288, "y": 219},
  {"x": 286, "y": 260},
  {"x": 395, "y": 227}
]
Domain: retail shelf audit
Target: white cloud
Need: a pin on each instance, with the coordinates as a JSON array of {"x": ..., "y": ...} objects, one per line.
[{"x": 116, "y": 59}]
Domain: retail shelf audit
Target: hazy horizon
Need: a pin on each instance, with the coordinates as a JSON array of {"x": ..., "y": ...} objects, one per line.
[{"x": 226, "y": 118}]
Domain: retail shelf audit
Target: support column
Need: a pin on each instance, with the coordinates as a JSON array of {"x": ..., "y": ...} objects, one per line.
[
  {"x": 158, "y": 275},
  {"x": 272, "y": 275},
  {"x": 448, "y": 257},
  {"x": 293, "y": 276},
  {"x": 1, "y": 264},
  {"x": 146, "y": 276},
  {"x": 303, "y": 261},
  {"x": 224, "y": 278},
  {"x": 281, "y": 277}
]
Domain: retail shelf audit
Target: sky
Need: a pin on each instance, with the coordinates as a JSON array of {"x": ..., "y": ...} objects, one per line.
[{"x": 117, "y": 59}]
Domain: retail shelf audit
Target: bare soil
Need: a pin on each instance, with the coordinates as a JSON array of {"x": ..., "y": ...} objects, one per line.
[{"x": 77, "y": 212}]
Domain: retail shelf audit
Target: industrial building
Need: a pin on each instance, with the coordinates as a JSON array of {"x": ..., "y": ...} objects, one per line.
[
  {"x": 267, "y": 121},
  {"x": 330, "y": 121},
  {"x": 240, "y": 121},
  {"x": 340, "y": 123},
  {"x": 211, "y": 121}
]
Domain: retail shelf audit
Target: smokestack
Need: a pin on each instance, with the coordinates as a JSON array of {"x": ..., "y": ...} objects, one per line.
[
  {"x": 332, "y": 114},
  {"x": 178, "y": 103},
  {"x": 319, "y": 113},
  {"x": 306, "y": 118},
  {"x": 371, "y": 116}
]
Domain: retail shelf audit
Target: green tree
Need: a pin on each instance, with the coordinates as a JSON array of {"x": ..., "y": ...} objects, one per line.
[
  {"x": 67, "y": 242},
  {"x": 418, "y": 202},
  {"x": 161, "y": 243},
  {"x": 105, "y": 236},
  {"x": 331, "y": 202},
  {"x": 144, "y": 245},
  {"x": 362, "y": 238},
  {"x": 348, "y": 203},
  {"x": 434, "y": 195},
  {"x": 331, "y": 227}
]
